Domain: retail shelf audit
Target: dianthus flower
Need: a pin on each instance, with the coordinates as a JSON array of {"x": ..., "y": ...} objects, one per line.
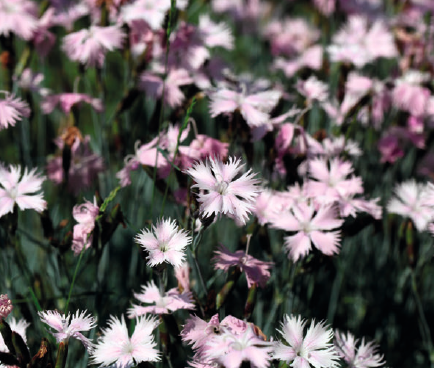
[
  {"x": 18, "y": 17},
  {"x": 22, "y": 192},
  {"x": 67, "y": 327},
  {"x": 89, "y": 46},
  {"x": 85, "y": 214},
  {"x": 5, "y": 306},
  {"x": 311, "y": 228},
  {"x": 257, "y": 272},
  {"x": 19, "y": 327},
  {"x": 68, "y": 100},
  {"x": 171, "y": 301},
  {"x": 164, "y": 243},
  {"x": 234, "y": 198},
  {"x": 116, "y": 349},
  {"x": 363, "y": 356},
  {"x": 12, "y": 109},
  {"x": 314, "y": 348}
]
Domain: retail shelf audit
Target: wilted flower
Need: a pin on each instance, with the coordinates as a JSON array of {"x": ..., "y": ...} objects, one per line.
[
  {"x": 5, "y": 306},
  {"x": 116, "y": 349},
  {"x": 22, "y": 192},
  {"x": 67, "y": 327},
  {"x": 165, "y": 243},
  {"x": 314, "y": 348},
  {"x": 234, "y": 198},
  {"x": 12, "y": 109}
]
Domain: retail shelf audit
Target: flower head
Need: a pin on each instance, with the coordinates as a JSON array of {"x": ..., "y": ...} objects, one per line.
[
  {"x": 234, "y": 198},
  {"x": 18, "y": 17},
  {"x": 313, "y": 348},
  {"x": 116, "y": 349},
  {"x": 12, "y": 109},
  {"x": 165, "y": 243},
  {"x": 85, "y": 214},
  {"x": 13, "y": 190},
  {"x": 5, "y": 306},
  {"x": 67, "y": 327}
]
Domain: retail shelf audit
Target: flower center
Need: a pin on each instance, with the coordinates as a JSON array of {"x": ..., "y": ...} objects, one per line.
[{"x": 221, "y": 187}]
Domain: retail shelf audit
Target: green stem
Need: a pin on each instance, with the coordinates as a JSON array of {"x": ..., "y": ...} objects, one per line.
[{"x": 73, "y": 280}]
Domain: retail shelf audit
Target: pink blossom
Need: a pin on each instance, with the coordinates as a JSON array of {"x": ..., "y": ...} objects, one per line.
[
  {"x": 84, "y": 165},
  {"x": 12, "y": 109},
  {"x": 350, "y": 206},
  {"x": 311, "y": 58},
  {"x": 164, "y": 243},
  {"x": 269, "y": 204},
  {"x": 234, "y": 198},
  {"x": 19, "y": 327},
  {"x": 313, "y": 89},
  {"x": 363, "y": 356},
  {"x": 14, "y": 190},
  {"x": 67, "y": 100},
  {"x": 43, "y": 39},
  {"x": 85, "y": 214},
  {"x": 389, "y": 148},
  {"x": 171, "y": 301},
  {"x": 18, "y": 17},
  {"x": 31, "y": 81},
  {"x": 257, "y": 272},
  {"x": 67, "y": 12},
  {"x": 215, "y": 34},
  {"x": 310, "y": 227},
  {"x": 89, "y": 46},
  {"x": 182, "y": 274},
  {"x": 116, "y": 349},
  {"x": 5, "y": 306},
  {"x": 207, "y": 146},
  {"x": 412, "y": 200},
  {"x": 326, "y": 7},
  {"x": 302, "y": 350},
  {"x": 67, "y": 327}
]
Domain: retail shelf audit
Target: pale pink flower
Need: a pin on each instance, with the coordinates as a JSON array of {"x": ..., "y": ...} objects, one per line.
[
  {"x": 215, "y": 34},
  {"x": 5, "y": 306},
  {"x": 234, "y": 198},
  {"x": 164, "y": 243},
  {"x": 257, "y": 272},
  {"x": 207, "y": 146},
  {"x": 313, "y": 89},
  {"x": 67, "y": 327},
  {"x": 350, "y": 206},
  {"x": 311, "y": 58},
  {"x": 231, "y": 349},
  {"x": 269, "y": 204},
  {"x": 67, "y": 100},
  {"x": 171, "y": 301},
  {"x": 314, "y": 348},
  {"x": 84, "y": 165},
  {"x": 14, "y": 190},
  {"x": 311, "y": 227},
  {"x": 43, "y": 39},
  {"x": 412, "y": 200},
  {"x": 12, "y": 109},
  {"x": 31, "y": 81},
  {"x": 19, "y": 327},
  {"x": 67, "y": 12},
  {"x": 89, "y": 46},
  {"x": 116, "y": 349},
  {"x": 182, "y": 274},
  {"x": 18, "y": 17},
  {"x": 363, "y": 356},
  {"x": 196, "y": 331},
  {"x": 85, "y": 214},
  {"x": 326, "y": 7}
]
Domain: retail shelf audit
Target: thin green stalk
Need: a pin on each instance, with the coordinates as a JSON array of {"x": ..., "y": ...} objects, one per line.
[{"x": 73, "y": 279}]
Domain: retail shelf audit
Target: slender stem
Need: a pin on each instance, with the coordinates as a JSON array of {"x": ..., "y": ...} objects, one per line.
[{"x": 73, "y": 279}]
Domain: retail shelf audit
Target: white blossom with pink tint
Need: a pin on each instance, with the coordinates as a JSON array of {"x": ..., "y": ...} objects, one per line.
[
  {"x": 18, "y": 17},
  {"x": 68, "y": 100},
  {"x": 257, "y": 272},
  {"x": 5, "y": 306},
  {"x": 314, "y": 347},
  {"x": 12, "y": 109},
  {"x": 116, "y": 349},
  {"x": 362, "y": 356},
  {"x": 69, "y": 326},
  {"x": 234, "y": 198},
  {"x": 311, "y": 58},
  {"x": 169, "y": 302},
  {"x": 313, "y": 89},
  {"x": 19, "y": 327},
  {"x": 413, "y": 200},
  {"x": 20, "y": 189},
  {"x": 89, "y": 46},
  {"x": 85, "y": 214},
  {"x": 164, "y": 243},
  {"x": 215, "y": 34},
  {"x": 31, "y": 81},
  {"x": 311, "y": 226}
]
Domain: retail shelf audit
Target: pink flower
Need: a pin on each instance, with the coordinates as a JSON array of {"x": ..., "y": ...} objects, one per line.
[
  {"x": 18, "y": 327},
  {"x": 234, "y": 198},
  {"x": 314, "y": 348},
  {"x": 18, "y": 17},
  {"x": 389, "y": 148},
  {"x": 85, "y": 214},
  {"x": 326, "y": 7},
  {"x": 5, "y": 306},
  {"x": 207, "y": 146},
  {"x": 67, "y": 327},
  {"x": 363, "y": 356},
  {"x": 269, "y": 204},
  {"x": 12, "y": 109},
  {"x": 22, "y": 192},
  {"x": 311, "y": 228},
  {"x": 182, "y": 274},
  {"x": 257, "y": 272},
  {"x": 67, "y": 100},
  {"x": 413, "y": 200},
  {"x": 90, "y": 46},
  {"x": 165, "y": 243},
  {"x": 254, "y": 107},
  {"x": 116, "y": 349},
  {"x": 313, "y": 89},
  {"x": 215, "y": 34},
  {"x": 31, "y": 82},
  {"x": 171, "y": 301},
  {"x": 311, "y": 58}
]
